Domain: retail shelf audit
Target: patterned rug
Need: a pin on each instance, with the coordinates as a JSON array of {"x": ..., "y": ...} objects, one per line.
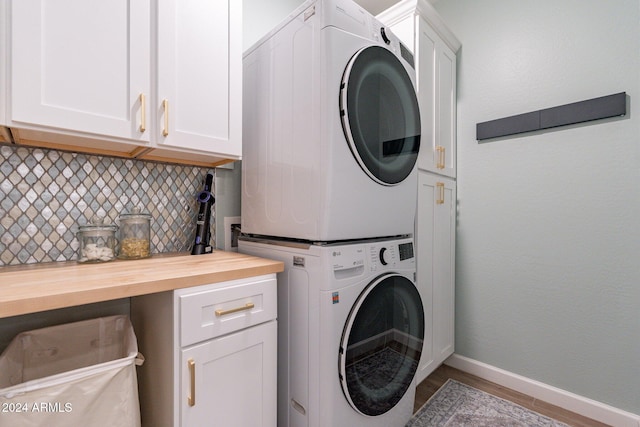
[{"x": 456, "y": 404}]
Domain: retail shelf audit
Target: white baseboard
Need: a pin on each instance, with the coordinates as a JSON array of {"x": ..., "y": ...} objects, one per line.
[{"x": 581, "y": 405}]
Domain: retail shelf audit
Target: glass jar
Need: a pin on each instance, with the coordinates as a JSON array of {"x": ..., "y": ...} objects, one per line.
[
  {"x": 135, "y": 235},
  {"x": 97, "y": 241}
]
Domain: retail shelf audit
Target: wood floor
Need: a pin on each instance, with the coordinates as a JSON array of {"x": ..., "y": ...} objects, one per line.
[{"x": 440, "y": 376}]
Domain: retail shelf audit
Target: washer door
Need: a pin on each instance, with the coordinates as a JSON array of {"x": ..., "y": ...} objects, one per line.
[
  {"x": 381, "y": 344},
  {"x": 380, "y": 115}
]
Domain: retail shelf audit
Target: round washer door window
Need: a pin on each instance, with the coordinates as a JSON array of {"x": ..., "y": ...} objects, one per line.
[
  {"x": 381, "y": 344},
  {"x": 380, "y": 115}
]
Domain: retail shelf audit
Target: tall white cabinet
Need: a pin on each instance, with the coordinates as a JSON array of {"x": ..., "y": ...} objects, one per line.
[
  {"x": 420, "y": 27},
  {"x": 211, "y": 354},
  {"x": 143, "y": 79}
]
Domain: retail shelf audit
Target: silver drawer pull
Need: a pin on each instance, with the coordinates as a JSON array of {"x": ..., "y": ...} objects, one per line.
[{"x": 247, "y": 306}]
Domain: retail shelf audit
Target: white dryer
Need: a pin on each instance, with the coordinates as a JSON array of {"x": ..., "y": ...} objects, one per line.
[
  {"x": 331, "y": 128},
  {"x": 350, "y": 332}
]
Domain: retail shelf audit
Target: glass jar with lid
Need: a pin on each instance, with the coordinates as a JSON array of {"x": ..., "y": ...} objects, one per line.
[
  {"x": 97, "y": 241},
  {"x": 135, "y": 235}
]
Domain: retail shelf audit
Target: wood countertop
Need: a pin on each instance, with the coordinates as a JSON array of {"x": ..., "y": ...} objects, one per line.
[{"x": 31, "y": 288}]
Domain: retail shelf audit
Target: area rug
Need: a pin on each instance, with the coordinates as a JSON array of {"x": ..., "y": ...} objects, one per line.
[{"x": 456, "y": 404}]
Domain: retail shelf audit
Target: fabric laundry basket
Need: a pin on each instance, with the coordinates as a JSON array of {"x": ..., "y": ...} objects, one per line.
[{"x": 75, "y": 374}]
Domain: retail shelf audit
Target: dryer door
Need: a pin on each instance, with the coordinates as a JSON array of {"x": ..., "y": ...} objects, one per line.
[
  {"x": 381, "y": 344},
  {"x": 380, "y": 115}
]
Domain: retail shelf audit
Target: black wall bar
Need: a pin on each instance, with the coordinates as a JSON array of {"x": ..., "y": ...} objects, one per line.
[{"x": 577, "y": 112}]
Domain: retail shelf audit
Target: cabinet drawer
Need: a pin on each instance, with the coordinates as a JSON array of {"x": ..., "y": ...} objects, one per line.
[{"x": 213, "y": 310}]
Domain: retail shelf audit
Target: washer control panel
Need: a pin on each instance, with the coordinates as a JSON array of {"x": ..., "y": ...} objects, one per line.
[
  {"x": 392, "y": 254},
  {"x": 374, "y": 256}
]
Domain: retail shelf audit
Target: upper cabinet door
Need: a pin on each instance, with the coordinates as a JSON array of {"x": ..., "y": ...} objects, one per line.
[
  {"x": 199, "y": 74},
  {"x": 437, "y": 97},
  {"x": 81, "y": 66},
  {"x": 445, "y": 150},
  {"x": 425, "y": 46},
  {"x": 4, "y": 21}
]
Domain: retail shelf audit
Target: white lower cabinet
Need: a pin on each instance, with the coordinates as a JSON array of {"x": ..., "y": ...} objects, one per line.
[
  {"x": 435, "y": 278},
  {"x": 223, "y": 380},
  {"x": 211, "y": 354}
]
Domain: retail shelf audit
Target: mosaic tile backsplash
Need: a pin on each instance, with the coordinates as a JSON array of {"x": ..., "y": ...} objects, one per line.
[{"x": 46, "y": 194}]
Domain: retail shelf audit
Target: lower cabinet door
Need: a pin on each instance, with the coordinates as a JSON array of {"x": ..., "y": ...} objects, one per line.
[
  {"x": 435, "y": 275},
  {"x": 231, "y": 380}
]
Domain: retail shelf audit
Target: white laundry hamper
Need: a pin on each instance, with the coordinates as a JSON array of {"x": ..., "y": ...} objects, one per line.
[{"x": 75, "y": 374}]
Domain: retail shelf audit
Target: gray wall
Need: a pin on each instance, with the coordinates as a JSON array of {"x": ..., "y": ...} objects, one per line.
[{"x": 548, "y": 249}]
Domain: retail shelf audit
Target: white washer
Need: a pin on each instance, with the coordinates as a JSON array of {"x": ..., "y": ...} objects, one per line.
[
  {"x": 350, "y": 332},
  {"x": 331, "y": 128}
]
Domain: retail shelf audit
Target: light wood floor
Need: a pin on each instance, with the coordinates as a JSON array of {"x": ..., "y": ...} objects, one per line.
[{"x": 434, "y": 381}]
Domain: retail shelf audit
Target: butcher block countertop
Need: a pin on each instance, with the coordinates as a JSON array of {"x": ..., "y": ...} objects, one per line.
[{"x": 31, "y": 288}]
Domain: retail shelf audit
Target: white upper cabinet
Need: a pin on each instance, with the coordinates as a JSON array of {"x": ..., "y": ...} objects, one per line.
[
  {"x": 437, "y": 97},
  {"x": 419, "y": 26},
  {"x": 199, "y": 75},
  {"x": 80, "y": 66},
  {"x": 157, "y": 80},
  {"x": 4, "y": 136}
]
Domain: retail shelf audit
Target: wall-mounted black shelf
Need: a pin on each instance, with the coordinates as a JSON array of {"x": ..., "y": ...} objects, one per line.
[{"x": 577, "y": 112}]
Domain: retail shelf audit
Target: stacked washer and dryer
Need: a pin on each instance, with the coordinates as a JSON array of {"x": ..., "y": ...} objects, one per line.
[{"x": 331, "y": 137}]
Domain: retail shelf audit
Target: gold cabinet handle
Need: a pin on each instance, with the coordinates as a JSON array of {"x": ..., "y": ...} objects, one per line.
[
  {"x": 143, "y": 113},
  {"x": 440, "y": 156},
  {"x": 247, "y": 306},
  {"x": 440, "y": 187},
  {"x": 191, "y": 400},
  {"x": 165, "y": 107}
]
